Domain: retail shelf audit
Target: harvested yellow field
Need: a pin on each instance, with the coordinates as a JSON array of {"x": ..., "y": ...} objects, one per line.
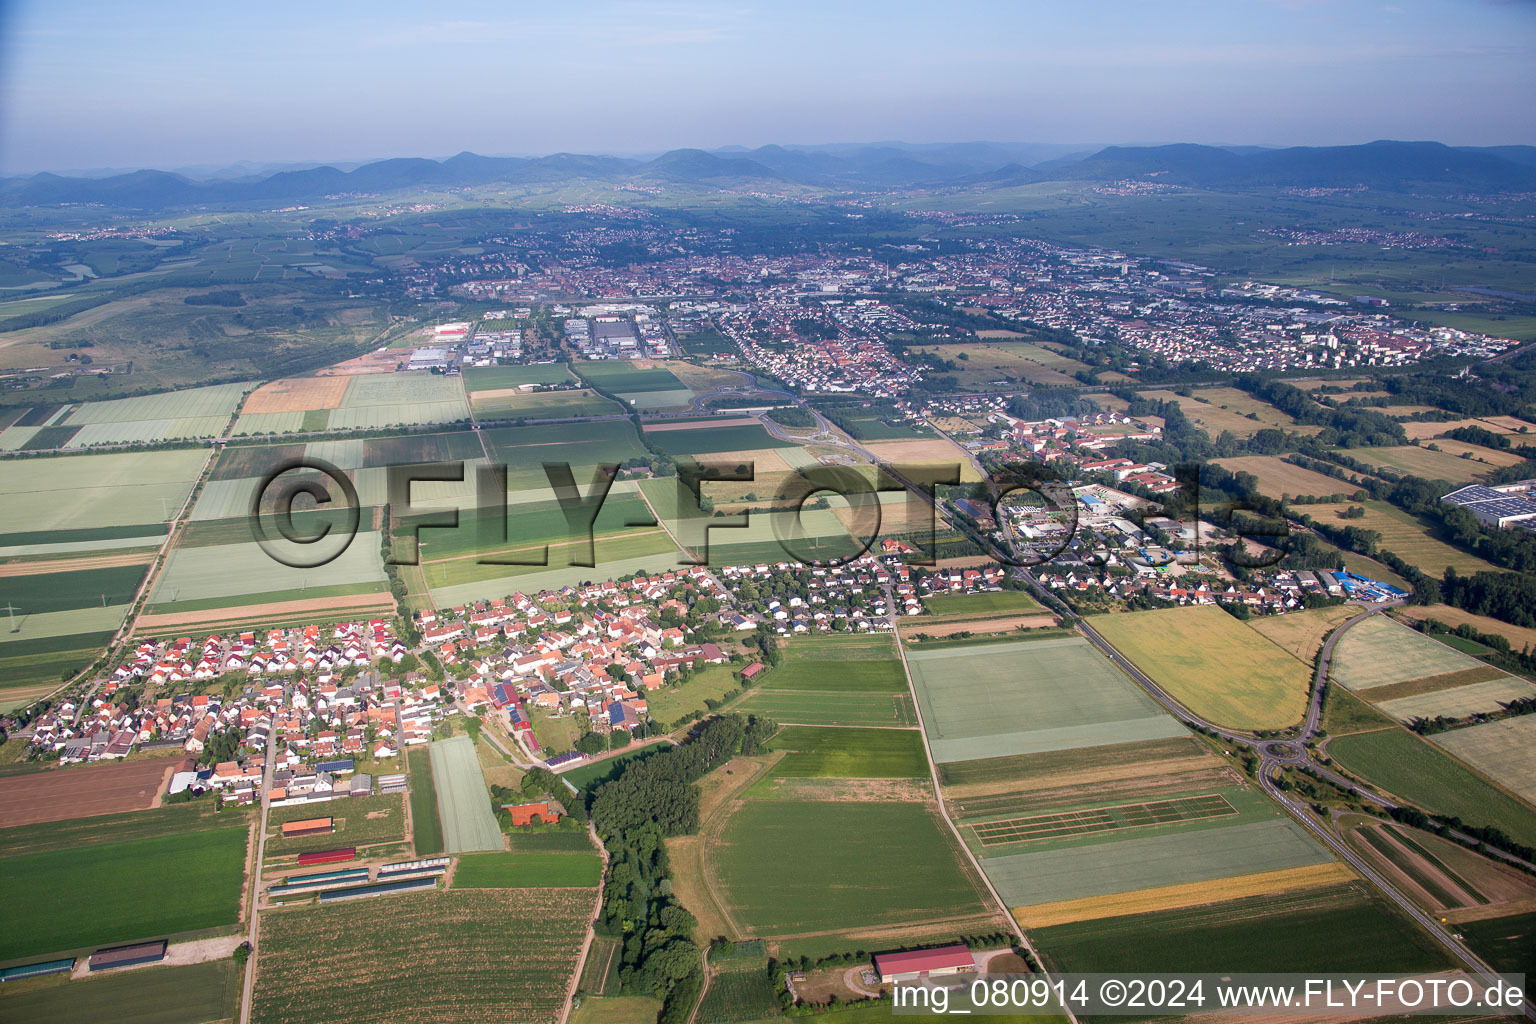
[
  {"x": 1423, "y": 461},
  {"x": 1174, "y": 897},
  {"x": 1519, "y": 637},
  {"x": 1302, "y": 633},
  {"x": 1211, "y": 663},
  {"x": 1404, "y": 536},
  {"x": 1217, "y": 409},
  {"x": 934, "y": 452},
  {"x": 297, "y": 394},
  {"x": 1280, "y": 479}
]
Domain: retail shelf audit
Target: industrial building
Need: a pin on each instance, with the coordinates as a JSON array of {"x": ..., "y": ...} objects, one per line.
[{"x": 1499, "y": 506}]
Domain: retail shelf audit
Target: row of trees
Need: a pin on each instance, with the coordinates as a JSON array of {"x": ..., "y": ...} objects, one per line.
[{"x": 652, "y": 799}]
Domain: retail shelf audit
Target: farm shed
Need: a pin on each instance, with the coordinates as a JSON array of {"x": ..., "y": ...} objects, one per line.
[
  {"x": 917, "y": 963},
  {"x": 128, "y": 956},
  {"x": 327, "y": 856},
  {"x": 37, "y": 970},
  {"x": 308, "y": 827}
]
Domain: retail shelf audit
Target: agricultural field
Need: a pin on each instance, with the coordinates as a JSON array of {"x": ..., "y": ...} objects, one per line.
[
  {"x": 56, "y": 901},
  {"x": 980, "y": 363},
  {"x": 1227, "y": 409},
  {"x": 1018, "y": 698},
  {"x": 626, "y": 375},
  {"x": 359, "y": 821},
  {"x": 187, "y": 994},
  {"x": 83, "y": 791},
  {"x": 1280, "y": 479},
  {"x": 1456, "y": 695},
  {"x": 935, "y": 453},
  {"x": 1111, "y": 863},
  {"x": 703, "y": 437},
  {"x": 1441, "y": 876},
  {"x": 1505, "y": 942},
  {"x": 76, "y": 498},
  {"x": 1404, "y": 536},
  {"x": 515, "y": 403},
  {"x": 529, "y": 870},
  {"x": 1422, "y": 461},
  {"x": 739, "y": 993},
  {"x": 463, "y": 802},
  {"x": 500, "y": 378},
  {"x": 484, "y": 955},
  {"x": 982, "y": 605},
  {"x": 834, "y": 680},
  {"x": 790, "y": 868},
  {"x": 240, "y": 574},
  {"x": 195, "y": 412},
  {"x": 1505, "y": 751},
  {"x": 1342, "y": 927},
  {"x": 1519, "y": 637},
  {"x": 1406, "y": 766},
  {"x": 1213, "y": 664},
  {"x": 1380, "y": 652},
  {"x": 426, "y": 824},
  {"x": 1302, "y": 632},
  {"x": 849, "y": 753}
]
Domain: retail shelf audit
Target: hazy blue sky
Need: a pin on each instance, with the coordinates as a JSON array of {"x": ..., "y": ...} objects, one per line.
[{"x": 165, "y": 84}]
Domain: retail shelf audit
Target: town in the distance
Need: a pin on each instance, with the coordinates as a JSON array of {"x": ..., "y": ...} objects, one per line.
[{"x": 821, "y": 573}]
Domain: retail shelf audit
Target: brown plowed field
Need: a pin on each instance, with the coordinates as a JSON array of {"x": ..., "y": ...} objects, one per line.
[{"x": 63, "y": 793}]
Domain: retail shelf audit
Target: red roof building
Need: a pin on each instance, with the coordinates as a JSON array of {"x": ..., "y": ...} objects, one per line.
[{"x": 920, "y": 962}]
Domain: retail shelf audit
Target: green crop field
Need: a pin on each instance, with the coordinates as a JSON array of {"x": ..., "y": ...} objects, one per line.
[
  {"x": 850, "y": 753},
  {"x": 1338, "y": 928},
  {"x": 445, "y": 956},
  {"x": 1408, "y": 767},
  {"x": 234, "y": 570},
  {"x": 715, "y": 441},
  {"x": 593, "y": 774},
  {"x": 865, "y": 663},
  {"x": 792, "y": 867},
  {"x": 58, "y": 900},
  {"x": 525, "y": 870},
  {"x": 1380, "y": 651},
  {"x": 86, "y": 491},
  {"x": 828, "y": 707},
  {"x": 1213, "y": 664},
  {"x": 1507, "y": 943},
  {"x": 497, "y": 378},
  {"x": 169, "y": 820},
  {"x": 189, "y": 994},
  {"x": 543, "y": 405},
  {"x": 990, "y": 770},
  {"x": 1025, "y": 697},
  {"x": 462, "y": 799},
  {"x": 359, "y": 821},
  {"x": 528, "y": 524},
  {"x": 62, "y": 591},
  {"x": 739, "y": 994},
  {"x": 405, "y": 449},
  {"x": 960, "y": 606},
  {"x": 1504, "y": 751},
  {"x": 426, "y": 825},
  {"x": 622, "y": 375},
  {"x": 1123, "y": 862}
]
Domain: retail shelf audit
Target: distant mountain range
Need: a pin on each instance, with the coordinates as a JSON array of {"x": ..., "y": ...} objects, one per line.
[{"x": 1400, "y": 166}]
